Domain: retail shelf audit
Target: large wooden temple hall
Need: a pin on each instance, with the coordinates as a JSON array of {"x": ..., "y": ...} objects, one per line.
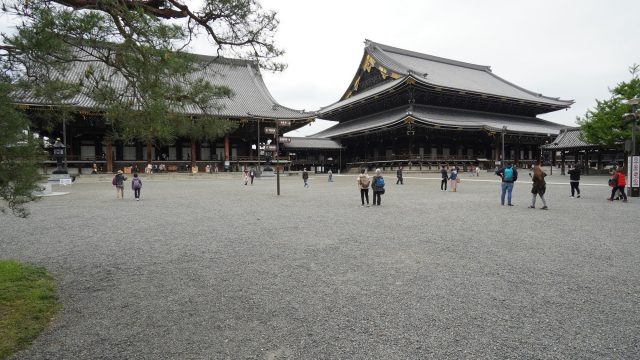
[{"x": 404, "y": 108}]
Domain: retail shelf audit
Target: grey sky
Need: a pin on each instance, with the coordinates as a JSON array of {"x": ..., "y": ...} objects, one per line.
[{"x": 568, "y": 49}]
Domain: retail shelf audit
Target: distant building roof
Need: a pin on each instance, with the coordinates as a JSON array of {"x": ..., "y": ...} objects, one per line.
[
  {"x": 444, "y": 118},
  {"x": 312, "y": 143},
  {"x": 569, "y": 139},
  {"x": 250, "y": 98}
]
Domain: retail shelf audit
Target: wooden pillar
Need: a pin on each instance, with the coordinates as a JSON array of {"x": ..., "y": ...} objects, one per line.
[
  {"x": 193, "y": 153},
  {"x": 226, "y": 148},
  {"x": 109, "y": 156},
  {"x": 586, "y": 161},
  {"x": 599, "y": 159},
  {"x": 149, "y": 155}
]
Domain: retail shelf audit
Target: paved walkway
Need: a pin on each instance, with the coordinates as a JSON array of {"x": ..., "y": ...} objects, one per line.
[{"x": 213, "y": 269}]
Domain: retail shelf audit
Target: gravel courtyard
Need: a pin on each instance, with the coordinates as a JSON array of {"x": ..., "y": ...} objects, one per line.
[{"x": 206, "y": 268}]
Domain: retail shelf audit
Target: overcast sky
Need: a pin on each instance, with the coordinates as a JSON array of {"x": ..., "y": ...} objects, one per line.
[{"x": 568, "y": 49}]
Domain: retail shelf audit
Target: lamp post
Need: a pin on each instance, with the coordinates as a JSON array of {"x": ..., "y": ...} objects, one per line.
[
  {"x": 634, "y": 160},
  {"x": 504, "y": 131}
]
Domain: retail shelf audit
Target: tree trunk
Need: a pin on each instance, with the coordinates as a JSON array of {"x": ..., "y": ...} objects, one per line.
[{"x": 193, "y": 153}]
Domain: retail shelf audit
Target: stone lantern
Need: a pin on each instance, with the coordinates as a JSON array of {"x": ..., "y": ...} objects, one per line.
[{"x": 58, "y": 155}]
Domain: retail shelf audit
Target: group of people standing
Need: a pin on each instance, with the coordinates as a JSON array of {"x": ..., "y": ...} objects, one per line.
[
  {"x": 376, "y": 183},
  {"x": 451, "y": 178},
  {"x": 509, "y": 175}
]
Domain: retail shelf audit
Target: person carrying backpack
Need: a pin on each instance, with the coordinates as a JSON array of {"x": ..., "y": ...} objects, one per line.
[
  {"x": 363, "y": 182},
  {"x": 136, "y": 185},
  {"x": 509, "y": 176},
  {"x": 118, "y": 182},
  {"x": 378, "y": 187}
]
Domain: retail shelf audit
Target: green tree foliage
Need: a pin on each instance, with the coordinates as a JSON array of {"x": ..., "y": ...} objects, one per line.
[
  {"x": 20, "y": 155},
  {"x": 132, "y": 54},
  {"x": 605, "y": 124}
]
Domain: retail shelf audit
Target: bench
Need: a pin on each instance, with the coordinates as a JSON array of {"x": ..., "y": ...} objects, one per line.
[{"x": 65, "y": 182}]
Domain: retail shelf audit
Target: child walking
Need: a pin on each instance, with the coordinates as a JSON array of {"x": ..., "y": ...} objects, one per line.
[{"x": 136, "y": 186}]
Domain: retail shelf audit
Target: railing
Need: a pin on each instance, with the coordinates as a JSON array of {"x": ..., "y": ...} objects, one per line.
[{"x": 414, "y": 158}]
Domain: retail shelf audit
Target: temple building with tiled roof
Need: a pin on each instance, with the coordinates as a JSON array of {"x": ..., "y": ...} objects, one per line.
[
  {"x": 250, "y": 105},
  {"x": 572, "y": 150},
  {"x": 407, "y": 108}
]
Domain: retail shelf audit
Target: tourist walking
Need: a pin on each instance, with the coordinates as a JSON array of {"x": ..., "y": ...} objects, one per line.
[
  {"x": 445, "y": 179},
  {"x": 136, "y": 186},
  {"x": 330, "y": 173},
  {"x": 399, "y": 176},
  {"x": 509, "y": 176},
  {"x": 245, "y": 176},
  {"x": 453, "y": 179},
  {"x": 305, "y": 177},
  {"x": 363, "y": 182},
  {"x": 574, "y": 180},
  {"x": 478, "y": 171},
  {"x": 118, "y": 182},
  {"x": 620, "y": 183},
  {"x": 377, "y": 187},
  {"x": 252, "y": 174},
  {"x": 539, "y": 187}
]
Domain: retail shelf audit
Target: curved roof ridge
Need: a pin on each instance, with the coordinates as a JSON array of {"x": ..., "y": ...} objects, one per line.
[
  {"x": 387, "y": 48},
  {"x": 470, "y": 111},
  {"x": 258, "y": 80},
  {"x": 537, "y": 94}
]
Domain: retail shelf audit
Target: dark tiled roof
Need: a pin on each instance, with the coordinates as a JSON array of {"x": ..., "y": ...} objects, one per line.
[
  {"x": 445, "y": 118},
  {"x": 453, "y": 74},
  {"x": 312, "y": 143},
  {"x": 361, "y": 96},
  {"x": 251, "y": 98},
  {"x": 569, "y": 138}
]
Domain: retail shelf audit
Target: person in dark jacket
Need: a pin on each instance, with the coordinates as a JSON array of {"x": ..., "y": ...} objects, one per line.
[
  {"x": 118, "y": 182},
  {"x": 574, "y": 180},
  {"x": 539, "y": 187},
  {"x": 136, "y": 186},
  {"x": 399, "y": 175},
  {"x": 509, "y": 176},
  {"x": 445, "y": 178},
  {"x": 305, "y": 177}
]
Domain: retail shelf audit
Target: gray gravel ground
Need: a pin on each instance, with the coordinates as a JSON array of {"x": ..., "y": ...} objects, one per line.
[{"x": 207, "y": 268}]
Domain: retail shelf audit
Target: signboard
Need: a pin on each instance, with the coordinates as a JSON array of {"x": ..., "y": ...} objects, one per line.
[
  {"x": 283, "y": 122},
  {"x": 634, "y": 171},
  {"x": 270, "y": 148},
  {"x": 269, "y": 130},
  {"x": 284, "y": 140}
]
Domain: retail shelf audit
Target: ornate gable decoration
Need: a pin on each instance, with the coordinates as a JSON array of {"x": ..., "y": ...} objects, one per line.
[{"x": 368, "y": 76}]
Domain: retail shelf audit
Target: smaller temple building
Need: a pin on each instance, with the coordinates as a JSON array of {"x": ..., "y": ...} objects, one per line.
[{"x": 88, "y": 136}]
